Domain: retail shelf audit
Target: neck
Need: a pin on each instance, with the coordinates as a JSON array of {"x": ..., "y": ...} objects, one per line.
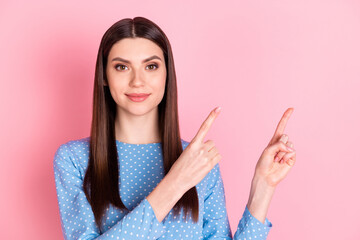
[{"x": 137, "y": 129}]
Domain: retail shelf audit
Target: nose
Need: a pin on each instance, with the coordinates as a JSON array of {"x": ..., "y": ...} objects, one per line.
[{"x": 136, "y": 80}]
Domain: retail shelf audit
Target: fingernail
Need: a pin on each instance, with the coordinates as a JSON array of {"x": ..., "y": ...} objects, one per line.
[
  {"x": 217, "y": 109},
  {"x": 291, "y": 162},
  {"x": 290, "y": 149},
  {"x": 284, "y": 138},
  {"x": 276, "y": 159}
]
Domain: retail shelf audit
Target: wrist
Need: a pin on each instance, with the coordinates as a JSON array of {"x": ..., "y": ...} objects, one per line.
[
  {"x": 175, "y": 186},
  {"x": 163, "y": 198},
  {"x": 260, "y": 197},
  {"x": 262, "y": 182}
]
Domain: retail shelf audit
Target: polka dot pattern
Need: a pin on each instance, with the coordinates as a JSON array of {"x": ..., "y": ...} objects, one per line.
[{"x": 141, "y": 169}]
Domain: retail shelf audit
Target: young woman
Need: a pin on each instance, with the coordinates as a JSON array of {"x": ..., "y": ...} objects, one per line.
[{"x": 134, "y": 177}]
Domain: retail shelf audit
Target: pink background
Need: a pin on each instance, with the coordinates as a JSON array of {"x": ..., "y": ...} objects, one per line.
[{"x": 253, "y": 58}]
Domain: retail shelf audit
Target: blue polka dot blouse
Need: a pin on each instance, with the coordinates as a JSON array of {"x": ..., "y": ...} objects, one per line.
[{"x": 140, "y": 170}]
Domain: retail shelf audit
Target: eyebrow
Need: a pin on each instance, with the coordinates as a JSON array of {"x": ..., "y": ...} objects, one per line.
[{"x": 127, "y": 61}]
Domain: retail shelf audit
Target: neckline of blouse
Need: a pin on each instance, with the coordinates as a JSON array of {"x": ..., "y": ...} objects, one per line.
[{"x": 137, "y": 144}]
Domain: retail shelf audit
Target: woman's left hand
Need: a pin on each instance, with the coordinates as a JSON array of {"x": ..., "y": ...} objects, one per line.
[
  {"x": 270, "y": 171},
  {"x": 277, "y": 158}
]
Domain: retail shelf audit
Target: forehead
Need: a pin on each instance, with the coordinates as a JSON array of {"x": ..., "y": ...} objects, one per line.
[{"x": 135, "y": 49}]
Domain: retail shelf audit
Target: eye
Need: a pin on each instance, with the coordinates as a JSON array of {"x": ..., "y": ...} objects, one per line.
[
  {"x": 153, "y": 65},
  {"x": 119, "y": 65}
]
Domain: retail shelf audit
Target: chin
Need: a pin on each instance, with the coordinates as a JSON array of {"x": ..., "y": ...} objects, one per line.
[{"x": 141, "y": 110}]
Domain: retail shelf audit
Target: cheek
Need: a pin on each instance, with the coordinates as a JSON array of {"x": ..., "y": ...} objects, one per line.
[
  {"x": 162, "y": 80},
  {"x": 160, "y": 85},
  {"x": 117, "y": 90},
  {"x": 117, "y": 83}
]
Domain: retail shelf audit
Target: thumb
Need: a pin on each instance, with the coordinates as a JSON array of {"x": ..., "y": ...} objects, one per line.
[{"x": 279, "y": 146}]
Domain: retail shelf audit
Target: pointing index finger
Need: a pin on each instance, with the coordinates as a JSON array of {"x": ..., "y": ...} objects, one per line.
[
  {"x": 205, "y": 126},
  {"x": 281, "y": 126}
]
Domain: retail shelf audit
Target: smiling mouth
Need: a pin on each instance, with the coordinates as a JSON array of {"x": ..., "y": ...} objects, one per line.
[{"x": 137, "y": 97}]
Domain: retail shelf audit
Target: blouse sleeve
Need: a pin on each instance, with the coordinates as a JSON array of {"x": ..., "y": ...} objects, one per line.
[
  {"x": 216, "y": 224},
  {"x": 250, "y": 227},
  {"x": 77, "y": 218}
]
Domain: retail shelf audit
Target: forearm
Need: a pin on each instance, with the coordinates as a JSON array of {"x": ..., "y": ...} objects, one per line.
[
  {"x": 259, "y": 199},
  {"x": 164, "y": 197}
]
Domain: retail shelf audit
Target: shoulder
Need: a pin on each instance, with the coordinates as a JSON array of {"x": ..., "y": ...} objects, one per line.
[
  {"x": 74, "y": 152},
  {"x": 73, "y": 145}
]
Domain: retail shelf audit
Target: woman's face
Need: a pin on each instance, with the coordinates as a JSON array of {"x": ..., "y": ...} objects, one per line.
[{"x": 136, "y": 66}]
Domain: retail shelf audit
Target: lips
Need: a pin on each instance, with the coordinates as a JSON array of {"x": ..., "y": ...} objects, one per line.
[
  {"x": 138, "y": 94},
  {"x": 137, "y": 97}
]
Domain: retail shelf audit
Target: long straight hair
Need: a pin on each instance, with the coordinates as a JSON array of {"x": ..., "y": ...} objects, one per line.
[{"x": 101, "y": 182}]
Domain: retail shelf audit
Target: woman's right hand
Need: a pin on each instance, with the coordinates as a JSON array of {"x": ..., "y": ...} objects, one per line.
[{"x": 197, "y": 159}]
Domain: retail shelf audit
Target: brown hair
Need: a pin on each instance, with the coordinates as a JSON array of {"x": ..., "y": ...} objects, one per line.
[{"x": 102, "y": 175}]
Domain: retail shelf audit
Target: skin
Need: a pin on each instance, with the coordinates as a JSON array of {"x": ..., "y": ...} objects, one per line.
[
  {"x": 138, "y": 121},
  {"x": 138, "y": 125},
  {"x": 269, "y": 171}
]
